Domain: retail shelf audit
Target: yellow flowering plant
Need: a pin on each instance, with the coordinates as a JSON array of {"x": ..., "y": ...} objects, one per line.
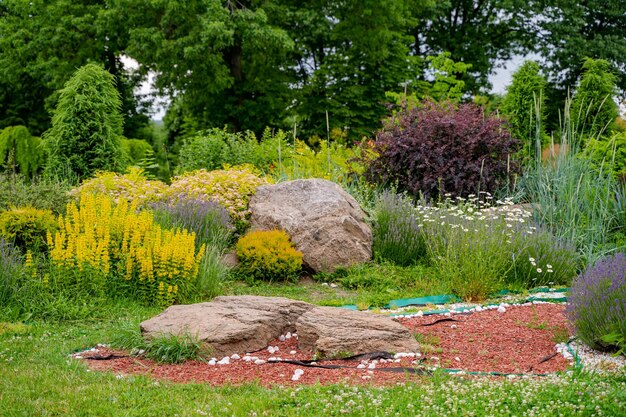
[
  {"x": 27, "y": 227},
  {"x": 118, "y": 248}
]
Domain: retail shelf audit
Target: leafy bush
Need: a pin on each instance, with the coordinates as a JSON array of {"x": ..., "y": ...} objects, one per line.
[
  {"x": 438, "y": 148},
  {"x": 134, "y": 150},
  {"x": 608, "y": 153},
  {"x": 206, "y": 218},
  {"x": 597, "y": 303},
  {"x": 268, "y": 255},
  {"x": 27, "y": 227},
  {"x": 215, "y": 148},
  {"x": 397, "y": 235},
  {"x": 44, "y": 194},
  {"x": 19, "y": 151},
  {"x": 231, "y": 188},
  {"x": 333, "y": 162},
  {"x": 132, "y": 187},
  {"x": 86, "y": 126},
  {"x": 121, "y": 250}
]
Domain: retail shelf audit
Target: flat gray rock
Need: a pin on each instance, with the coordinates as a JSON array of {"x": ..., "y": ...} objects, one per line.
[
  {"x": 324, "y": 222},
  {"x": 242, "y": 324}
]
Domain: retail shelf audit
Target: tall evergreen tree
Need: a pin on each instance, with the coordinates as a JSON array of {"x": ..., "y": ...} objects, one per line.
[
  {"x": 86, "y": 127},
  {"x": 524, "y": 106},
  {"x": 593, "y": 109}
]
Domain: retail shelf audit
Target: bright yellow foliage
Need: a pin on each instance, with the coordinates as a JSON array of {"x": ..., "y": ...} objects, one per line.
[
  {"x": 99, "y": 236},
  {"x": 268, "y": 255},
  {"x": 132, "y": 186}
]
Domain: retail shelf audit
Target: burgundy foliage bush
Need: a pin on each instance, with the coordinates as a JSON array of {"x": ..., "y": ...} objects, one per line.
[{"x": 439, "y": 148}]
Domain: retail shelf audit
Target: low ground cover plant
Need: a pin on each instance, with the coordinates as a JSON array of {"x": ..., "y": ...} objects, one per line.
[{"x": 597, "y": 304}]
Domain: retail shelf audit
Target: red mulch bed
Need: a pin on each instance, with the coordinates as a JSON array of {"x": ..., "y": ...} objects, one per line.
[{"x": 516, "y": 341}]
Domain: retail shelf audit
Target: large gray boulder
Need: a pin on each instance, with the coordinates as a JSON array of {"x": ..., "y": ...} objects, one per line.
[
  {"x": 324, "y": 222},
  {"x": 241, "y": 324}
]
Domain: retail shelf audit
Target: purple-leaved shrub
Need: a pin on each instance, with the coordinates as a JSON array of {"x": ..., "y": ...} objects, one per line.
[
  {"x": 597, "y": 303},
  {"x": 440, "y": 148}
]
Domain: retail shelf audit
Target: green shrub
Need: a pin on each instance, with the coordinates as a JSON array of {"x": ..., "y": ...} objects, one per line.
[
  {"x": 19, "y": 151},
  {"x": 608, "y": 153},
  {"x": 523, "y": 104},
  {"x": 231, "y": 188},
  {"x": 215, "y": 148},
  {"x": 44, "y": 194},
  {"x": 27, "y": 227},
  {"x": 268, "y": 255},
  {"x": 133, "y": 186},
  {"x": 397, "y": 235},
  {"x": 86, "y": 126}
]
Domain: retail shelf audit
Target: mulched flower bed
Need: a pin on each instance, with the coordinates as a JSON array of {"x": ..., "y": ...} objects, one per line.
[{"x": 520, "y": 340}]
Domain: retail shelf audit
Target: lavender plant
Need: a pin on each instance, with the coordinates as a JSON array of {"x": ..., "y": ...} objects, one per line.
[
  {"x": 397, "y": 235},
  {"x": 11, "y": 270},
  {"x": 597, "y": 304},
  {"x": 208, "y": 219}
]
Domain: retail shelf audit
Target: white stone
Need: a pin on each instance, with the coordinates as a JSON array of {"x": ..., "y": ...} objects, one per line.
[
  {"x": 501, "y": 309},
  {"x": 235, "y": 356},
  {"x": 259, "y": 362}
]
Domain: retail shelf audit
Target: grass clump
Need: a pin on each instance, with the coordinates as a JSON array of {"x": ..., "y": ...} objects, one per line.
[
  {"x": 398, "y": 236},
  {"x": 166, "y": 348}
]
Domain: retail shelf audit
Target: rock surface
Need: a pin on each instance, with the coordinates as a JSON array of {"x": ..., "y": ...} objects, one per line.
[
  {"x": 329, "y": 330},
  {"x": 244, "y": 324},
  {"x": 229, "y": 324},
  {"x": 325, "y": 223}
]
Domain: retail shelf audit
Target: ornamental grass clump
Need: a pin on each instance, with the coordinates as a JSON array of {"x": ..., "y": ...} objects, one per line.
[
  {"x": 116, "y": 249},
  {"x": 268, "y": 255},
  {"x": 597, "y": 304},
  {"x": 397, "y": 235},
  {"x": 12, "y": 272}
]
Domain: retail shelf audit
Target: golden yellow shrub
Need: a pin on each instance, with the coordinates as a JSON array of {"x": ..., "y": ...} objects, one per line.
[{"x": 268, "y": 255}]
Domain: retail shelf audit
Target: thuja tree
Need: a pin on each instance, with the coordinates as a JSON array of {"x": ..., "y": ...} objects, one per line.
[
  {"x": 20, "y": 152},
  {"x": 523, "y": 105},
  {"x": 439, "y": 148},
  {"x": 86, "y": 126},
  {"x": 593, "y": 108}
]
